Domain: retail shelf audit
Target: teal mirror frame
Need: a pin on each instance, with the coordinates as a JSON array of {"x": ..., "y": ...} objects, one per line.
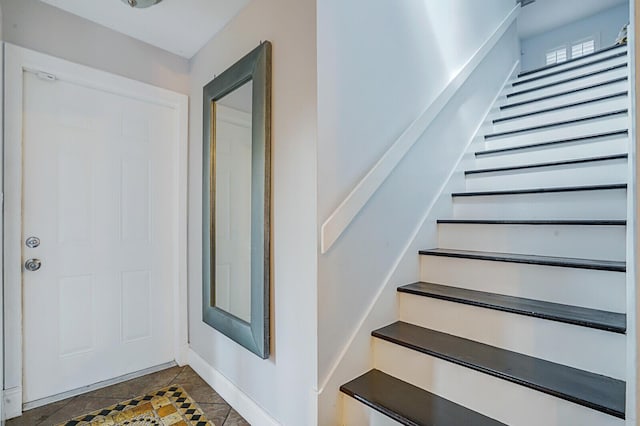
[{"x": 255, "y": 336}]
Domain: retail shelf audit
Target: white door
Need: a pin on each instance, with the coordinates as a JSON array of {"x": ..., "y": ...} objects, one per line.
[{"x": 99, "y": 193}]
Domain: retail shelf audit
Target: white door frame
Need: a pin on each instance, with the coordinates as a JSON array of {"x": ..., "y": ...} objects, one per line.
[{"x": 19, "y": 60}]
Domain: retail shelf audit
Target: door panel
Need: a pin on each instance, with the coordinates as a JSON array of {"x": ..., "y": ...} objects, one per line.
[{"x": 99, "y": 186}]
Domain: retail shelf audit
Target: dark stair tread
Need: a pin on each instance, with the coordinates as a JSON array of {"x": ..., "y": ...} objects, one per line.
[
  {"x": 531, "y": 259},
  {"x": 561, "y": 107},
  {"x": 542, "y": 190},
  {"x": 548, "y": 164},
  {"x": 576, "y": 315},
  {"x": 568, "y": 92},
  {"x": 409, "y": 404},
  {"x": 573, "y": 68},
  {"x": 567, "y": 80},
  {"x": 547, "y": 67},
  {"x": 591, "y": 390},
  {"x": 556, "y": 142},
  {"x": 587, "y": 222},
  {"x": 556, "y": 124}
]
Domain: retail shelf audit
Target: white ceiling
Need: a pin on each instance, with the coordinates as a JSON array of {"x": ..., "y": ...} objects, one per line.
[
  {"x": 544, "y": 15},
  {"x": 179, "y": 26}
]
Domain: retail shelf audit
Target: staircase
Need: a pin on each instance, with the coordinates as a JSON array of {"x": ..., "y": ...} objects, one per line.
[{"x": 519, "y": 315}]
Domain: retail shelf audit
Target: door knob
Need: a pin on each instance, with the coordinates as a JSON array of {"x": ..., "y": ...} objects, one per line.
[
  {"x": 32, "y": 265},
  {"x": 32, "y": 242}
]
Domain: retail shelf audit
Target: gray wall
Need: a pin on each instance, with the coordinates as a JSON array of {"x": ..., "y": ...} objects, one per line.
[
  {"x": 38, "y": 26},
  {"x": 604, "y": 25}
]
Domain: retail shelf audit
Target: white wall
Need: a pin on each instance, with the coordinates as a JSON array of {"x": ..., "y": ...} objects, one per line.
[
  {"x": 380, "y": 64},
  {"x": 47, "y": 29},
  {"x": 605, "y": 26},
  {"x": 282, "y": 385}
]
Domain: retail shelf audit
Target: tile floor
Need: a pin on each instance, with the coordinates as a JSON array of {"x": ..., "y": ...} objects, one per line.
[{"x": 214, "y": 407}]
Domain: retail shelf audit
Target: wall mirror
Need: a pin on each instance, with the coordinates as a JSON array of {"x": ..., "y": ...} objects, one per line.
[{"x": 236, "y": 201}]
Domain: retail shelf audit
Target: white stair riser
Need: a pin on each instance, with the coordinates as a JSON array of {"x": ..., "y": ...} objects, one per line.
[
  {"x": 597, "y": 351},
  {"x": 585, "y": 60},
  {"x": 504, "y": 401},
  {"x": 600, "y": 107},
  {"x": 570, "y": 74},
  {"x": 586, "y": 242},
  {"x": 612, "y": 145},
  {"x": 594, "y": 173},
  {"x": 561, "y": 132},
  {"x": 594, "y": 289},
  {"x": 356, "y": 413},
  {"x": 570, "y": 85},
  {"x": 560, "y": 100},
  {"x": 610, "y": 204}
]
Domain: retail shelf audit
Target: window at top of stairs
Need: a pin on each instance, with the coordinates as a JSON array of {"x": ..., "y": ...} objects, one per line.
[
  {"x": 556, "y": 55},
  {"x": 583, "y": 48}
]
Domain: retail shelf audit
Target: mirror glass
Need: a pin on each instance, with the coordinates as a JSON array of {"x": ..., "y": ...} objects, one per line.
[{"x": 232, "y": 127}]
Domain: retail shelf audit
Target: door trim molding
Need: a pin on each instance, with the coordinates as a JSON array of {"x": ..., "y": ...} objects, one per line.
[{"x": 17, "y": 61}]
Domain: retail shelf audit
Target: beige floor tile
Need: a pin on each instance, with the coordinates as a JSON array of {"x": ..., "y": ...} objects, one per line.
[
  {"x": 235, "y": 419},
  {"x": 37, "y": 415},
  {"x": 217, "y": 413},
  {"x": 139, "y": 386},
  {"x": 197, "y": 388}
]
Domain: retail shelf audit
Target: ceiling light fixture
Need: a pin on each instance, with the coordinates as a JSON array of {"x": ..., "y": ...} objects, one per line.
[{"x": 141, "y": 3}]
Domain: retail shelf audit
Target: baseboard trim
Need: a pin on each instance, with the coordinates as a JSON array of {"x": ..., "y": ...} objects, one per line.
[
  {"x": 12, "y": 402},
  {"x": 240, "y": 401}
]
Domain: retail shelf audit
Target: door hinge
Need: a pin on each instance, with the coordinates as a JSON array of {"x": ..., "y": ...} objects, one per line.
[{"x": 46, "y": 76}]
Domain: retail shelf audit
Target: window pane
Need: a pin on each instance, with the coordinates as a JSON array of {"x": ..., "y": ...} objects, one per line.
[
  {"x": 588, "y": 47},
  {"x": 556, "y": 56},
  {"x": 561, "y": 55},
  {"x": 576, "y": 50},
  {"x": 583, "y": 48}
]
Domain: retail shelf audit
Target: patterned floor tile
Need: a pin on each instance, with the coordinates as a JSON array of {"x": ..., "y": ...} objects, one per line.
[
  {"x": 77, "y": 406},
  {"x": 170, "y": 406},
  {"x": 212, "y": 404}
]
